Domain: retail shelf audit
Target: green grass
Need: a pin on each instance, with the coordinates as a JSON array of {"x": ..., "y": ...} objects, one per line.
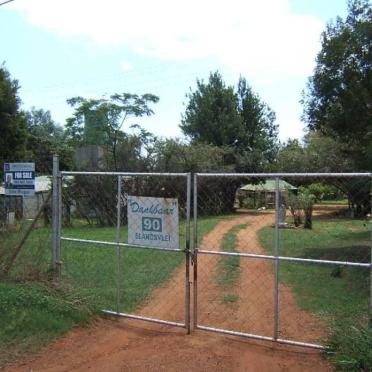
[
  {"x": 350, "y": 348},
  {"x": 32, "y": 313},
  {"x": 339, "y": 294},
  {"x": 93, "y": 268},
  {"x": 333, "y": 291},
  {"x": 229, "y": 298},
  {"x": 229, "y": 267},
  {"x": 333, "y": 202}
]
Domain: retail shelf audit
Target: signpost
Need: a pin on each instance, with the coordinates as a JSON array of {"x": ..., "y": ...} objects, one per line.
[
  {"x": 153, "y": 222},
  {"x": 19, "y": 179}
]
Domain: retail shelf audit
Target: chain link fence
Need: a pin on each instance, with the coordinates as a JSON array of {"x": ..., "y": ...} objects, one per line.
[
  {"x": 290, "y": 258},
  {"x": 25, "y": 233},
  {"x": 287, "y": 257},
  {"x": 129, "y": 265}
]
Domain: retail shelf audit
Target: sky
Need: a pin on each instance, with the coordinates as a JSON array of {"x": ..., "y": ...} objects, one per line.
[{"x": 62, "y": 49}]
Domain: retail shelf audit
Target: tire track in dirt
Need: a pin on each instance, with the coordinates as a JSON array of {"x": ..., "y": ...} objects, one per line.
[{"x": 129, "y": 345}]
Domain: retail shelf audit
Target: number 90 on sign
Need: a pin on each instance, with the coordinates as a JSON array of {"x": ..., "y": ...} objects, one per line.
[{"x": 151, "y": 224}]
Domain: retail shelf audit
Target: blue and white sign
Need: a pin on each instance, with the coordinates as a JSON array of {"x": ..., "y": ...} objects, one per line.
[
  {"x": 19, "y": 179},
  {"x": 153, "y": 222}
]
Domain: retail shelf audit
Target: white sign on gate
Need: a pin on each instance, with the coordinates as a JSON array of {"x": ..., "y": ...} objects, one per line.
[{"x": 153, "y": 222}]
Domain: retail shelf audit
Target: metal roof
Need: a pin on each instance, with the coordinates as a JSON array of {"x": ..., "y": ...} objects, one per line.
[{"x": 268, "y": 185}]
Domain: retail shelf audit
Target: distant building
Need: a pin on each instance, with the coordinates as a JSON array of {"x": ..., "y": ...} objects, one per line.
[
  {"x": 263, "y": 193},
  {"x": 90, "y": 157},
  {"x": 94, "y": 132},
  {"x": 24, "y": 206}
]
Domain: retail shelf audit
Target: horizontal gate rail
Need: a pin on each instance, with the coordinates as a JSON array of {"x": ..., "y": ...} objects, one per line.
[
  {"x": 123, "y": 174},
  {"x": 272, "y": 175},
  {"x": 258, "y": 337},
  {"x": 114, "y": 244},
  {"x": 284, "y": 258},
  {"x": 145, "y": 318}
]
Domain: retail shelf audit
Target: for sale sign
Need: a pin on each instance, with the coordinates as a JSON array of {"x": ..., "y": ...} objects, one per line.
[
  {"x": 153, "y": 222},
  {"x": 19, "y": 179}
]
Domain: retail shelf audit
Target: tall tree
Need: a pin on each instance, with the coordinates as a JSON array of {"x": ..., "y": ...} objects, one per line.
[
  {"x": 259, "y": 143},
  {"x": 338, "y": 100},
  {"x": 211, "y": 115},
  {"x": 100, "y": 121},
  {"x": 218, "y": 115},
  {"x": 12, "y": 121}
]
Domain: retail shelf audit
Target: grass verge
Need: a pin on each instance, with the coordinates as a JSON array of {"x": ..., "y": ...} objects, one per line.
[
  {"x": 229, "y": 267},
  {"x": 32, "y": 314}
]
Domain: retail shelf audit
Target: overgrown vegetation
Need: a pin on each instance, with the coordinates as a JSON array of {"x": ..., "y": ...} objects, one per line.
[
  {"x": 350, "y": 348},
  {"x": 32, "y": 314}
]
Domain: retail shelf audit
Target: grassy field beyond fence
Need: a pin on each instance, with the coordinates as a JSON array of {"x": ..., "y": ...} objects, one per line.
[{"x": 335, "y": 291}]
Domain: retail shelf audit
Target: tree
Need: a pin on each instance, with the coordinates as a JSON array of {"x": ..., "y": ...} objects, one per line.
[
  {"x": 172, "y": 155},
  {"x": 12, "y": 122},
  {"x": 339, "y": 94},
  {"x": 218, "y": 115},
  {"x": 290, "y": 157},
  {"x": 46, "y": 138},
  {"x": 259, "y": 143},
  {"x": 211, "y": 115},
  {"x": 317, "y": 153},
  {"x": 100, "y": 121}
]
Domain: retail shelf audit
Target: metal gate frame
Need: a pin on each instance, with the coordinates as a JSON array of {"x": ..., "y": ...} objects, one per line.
[
  {"x": 58, "y": 238},
  {"x": 276, "y": 257},
  {"x": 191, "y": 253}
]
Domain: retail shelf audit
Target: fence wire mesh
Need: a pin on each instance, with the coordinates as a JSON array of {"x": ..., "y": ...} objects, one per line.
[
  {"x": 25, "y": 233},
  {"x": 145, "y": 281},
  {"x": 323, "y": 218},
  {"x": 236, "y": 293}
]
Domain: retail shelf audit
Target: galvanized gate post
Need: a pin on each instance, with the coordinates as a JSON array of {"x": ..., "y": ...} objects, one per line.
[
  {"x": 276, "y": 262},
  {"x": 187, "y": 254},
  {"x": 56, "y": 214},
  {"x": 370, "y": 278},
  {"x": 195, "y": 253},
  {"x": 117, "y": 238}
]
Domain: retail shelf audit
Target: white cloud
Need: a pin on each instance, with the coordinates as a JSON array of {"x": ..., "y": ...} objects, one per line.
[
  {"x": 260, "y": 39},
  {"x": 126, "y": 66}
]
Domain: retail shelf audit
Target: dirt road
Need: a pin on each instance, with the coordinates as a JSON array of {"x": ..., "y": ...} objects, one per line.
[{"x": 128, "y": 345}]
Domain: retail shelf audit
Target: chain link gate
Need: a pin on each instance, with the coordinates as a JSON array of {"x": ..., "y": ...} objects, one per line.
[
  {"x": 252, "y": 271},
  {"x": 257, "y": 276},
  {"x": 137, "y": 281}
]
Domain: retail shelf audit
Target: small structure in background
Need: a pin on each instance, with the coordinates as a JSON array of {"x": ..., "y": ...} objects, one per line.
[
  {"x": 262, "y": 194},
  {"x": 91, "y": 157},
  {"x": 17, "y": 207}
]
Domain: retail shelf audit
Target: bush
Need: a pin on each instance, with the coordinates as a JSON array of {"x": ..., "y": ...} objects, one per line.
[
  {"x": 322, "y": 191},
  {"x": 306, "y": 200},
  {"x": 350, "y": 348}
]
